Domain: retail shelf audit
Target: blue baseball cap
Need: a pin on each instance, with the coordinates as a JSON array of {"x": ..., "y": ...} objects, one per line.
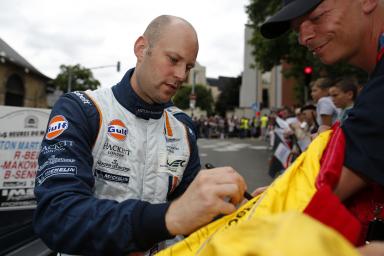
[{"x": 279, "y": 23}]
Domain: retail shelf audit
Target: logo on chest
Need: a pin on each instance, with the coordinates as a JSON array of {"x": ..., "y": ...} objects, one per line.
[
  {"x": 172, "y": 164},
  {"x": 117, "y": 130},
  {"x": 175, "y": 164},
  {"x": 115, "y": 150}
]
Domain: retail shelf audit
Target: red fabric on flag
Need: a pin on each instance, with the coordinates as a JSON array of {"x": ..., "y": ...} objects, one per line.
[
  {"x": 326, "y": 206},
  {"x": 333, "y": 159}
]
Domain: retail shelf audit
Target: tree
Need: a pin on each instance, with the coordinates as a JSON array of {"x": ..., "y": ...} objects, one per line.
[
  {"x": 229, "y": 97},
  {"x": 269, "y": 53},
  {"x": 204, "y": 98},
  {"x": 81, "y": 79}
]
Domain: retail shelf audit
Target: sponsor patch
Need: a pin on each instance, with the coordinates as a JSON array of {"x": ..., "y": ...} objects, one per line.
[
  {"x": 115, "y": 150},
  {"x": 54, "y": 160},
  {"x": 82, "y": 98},
  {"x": 171, "y": 139},
  {"x": 56, "y": 126},
  {"x": 171, "y": 164},
  {"x": 57, "y": 147},
  {"x": 117, "y": 130},
  {"x": 172, "y": 149},
  {"x": 57, "y": 170},
  {"x": 113, "y": 166},
  {"x": 112, "y": 177}
]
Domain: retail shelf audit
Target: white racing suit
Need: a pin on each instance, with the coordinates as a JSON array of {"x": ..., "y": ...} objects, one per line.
[{"x": 120, "y": 163}]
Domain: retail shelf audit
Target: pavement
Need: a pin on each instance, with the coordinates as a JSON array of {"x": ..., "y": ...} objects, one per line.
[{"x": 249, "y": 156}]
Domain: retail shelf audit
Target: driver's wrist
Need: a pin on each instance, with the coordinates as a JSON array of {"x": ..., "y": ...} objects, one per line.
[{"x": 171, "y": 220}]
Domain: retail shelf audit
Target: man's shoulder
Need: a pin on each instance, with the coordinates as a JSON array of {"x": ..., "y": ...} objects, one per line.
[
  {"x": 77, "y": 102},
  {"x": 179, "y": 114},
  {"x": 81, "y": 97},
  {"x": 183, "y": 118},
  {"x": 174, "y": 110},
  {"x": 372, "y": 90},
  {"x": 73, "y": 101}
]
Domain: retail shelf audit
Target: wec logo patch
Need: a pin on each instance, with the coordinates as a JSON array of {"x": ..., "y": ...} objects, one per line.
[
  {"x": 175, "y": 164},
  {"x": 56, "y": 126},
  {"x": 117, "y": 130},
  {"x": 172, "y": 164}
]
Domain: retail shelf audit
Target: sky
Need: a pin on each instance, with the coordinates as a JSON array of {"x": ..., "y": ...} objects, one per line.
[{"x": 48, "y": 33}]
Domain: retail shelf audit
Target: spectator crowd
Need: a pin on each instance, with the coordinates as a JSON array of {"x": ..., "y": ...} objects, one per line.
[{"x": 288, "y": 130}]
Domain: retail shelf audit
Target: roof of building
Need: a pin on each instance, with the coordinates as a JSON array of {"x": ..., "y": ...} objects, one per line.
[
  {"x": 9, "y": 54},
  {"x": 222, "y": 81},
  {"x": 213, "y": 81}
]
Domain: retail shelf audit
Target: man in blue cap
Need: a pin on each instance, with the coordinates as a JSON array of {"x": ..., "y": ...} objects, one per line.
[{"x": 351, "y": 31}]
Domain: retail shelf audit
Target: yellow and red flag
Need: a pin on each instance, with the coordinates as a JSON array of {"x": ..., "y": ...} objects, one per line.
[{"x": 305, "y": 187}]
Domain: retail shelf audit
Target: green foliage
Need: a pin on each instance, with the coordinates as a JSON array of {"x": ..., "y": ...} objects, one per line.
[
  {"x": 181, "y": 98},
  {"x": 204, "y": 98},
  {"x": 269, "y": 53},
  {"x": 229, "y": 97},
  {"x": 81, "y": 78}
]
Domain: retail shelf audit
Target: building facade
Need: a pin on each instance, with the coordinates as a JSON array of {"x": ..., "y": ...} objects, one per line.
[
  {"x": 21, "y": 84},
  {"x": 268, "y": 90}
]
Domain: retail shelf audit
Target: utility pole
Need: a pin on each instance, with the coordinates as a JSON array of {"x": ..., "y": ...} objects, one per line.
[
  {"x": 192, "y": 97},
  {"x": 69, "y": 88}
]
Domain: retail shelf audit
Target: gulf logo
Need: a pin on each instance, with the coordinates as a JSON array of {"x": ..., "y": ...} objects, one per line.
[
  {"x": 56, "y": 126},
  {"x": 117, "y": 130}
]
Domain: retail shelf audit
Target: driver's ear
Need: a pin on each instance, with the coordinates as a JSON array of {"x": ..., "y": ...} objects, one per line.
[
  {"x": 369, "y": 5},
  {"x": 140, "y": 48}
]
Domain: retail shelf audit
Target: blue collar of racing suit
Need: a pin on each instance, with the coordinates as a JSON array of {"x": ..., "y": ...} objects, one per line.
[{"x": 127, "y": 97}]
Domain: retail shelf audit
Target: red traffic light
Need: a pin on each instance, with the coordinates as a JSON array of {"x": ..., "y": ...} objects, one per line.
[{"x": 308, "y": 70}]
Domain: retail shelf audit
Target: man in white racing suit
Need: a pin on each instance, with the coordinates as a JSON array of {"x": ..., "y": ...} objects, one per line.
[{"x": 119, "y": 170}]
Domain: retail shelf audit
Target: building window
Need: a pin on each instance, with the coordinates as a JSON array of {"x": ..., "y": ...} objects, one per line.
[{"x": 14, "y": 95}]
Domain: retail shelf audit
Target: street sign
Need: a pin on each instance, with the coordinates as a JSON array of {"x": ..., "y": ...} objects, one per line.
[{"x": 255, "y": 107}]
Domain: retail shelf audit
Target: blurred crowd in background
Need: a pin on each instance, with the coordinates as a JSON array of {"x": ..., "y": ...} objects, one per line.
[{"x": 288, "y": 130}]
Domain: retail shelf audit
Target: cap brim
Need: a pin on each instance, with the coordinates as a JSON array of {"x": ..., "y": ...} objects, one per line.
[{"x": 280, "y": 22}]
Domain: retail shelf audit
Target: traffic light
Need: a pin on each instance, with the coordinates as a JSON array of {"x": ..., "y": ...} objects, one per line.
[
  {"x": 118, "y": 66},
  {"x": 308, "y": 75}
]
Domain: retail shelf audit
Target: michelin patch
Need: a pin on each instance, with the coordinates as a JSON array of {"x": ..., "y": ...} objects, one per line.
[
  {"x": 112, "y": 177},
  {"x": 57, "y": 170}
]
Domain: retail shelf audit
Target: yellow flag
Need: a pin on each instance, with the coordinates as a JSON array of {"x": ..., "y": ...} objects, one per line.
[{"x": 292, "y": 191}]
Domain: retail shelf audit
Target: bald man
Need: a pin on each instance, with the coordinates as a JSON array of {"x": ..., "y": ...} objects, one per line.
[{"x": 119, "y": 170}]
